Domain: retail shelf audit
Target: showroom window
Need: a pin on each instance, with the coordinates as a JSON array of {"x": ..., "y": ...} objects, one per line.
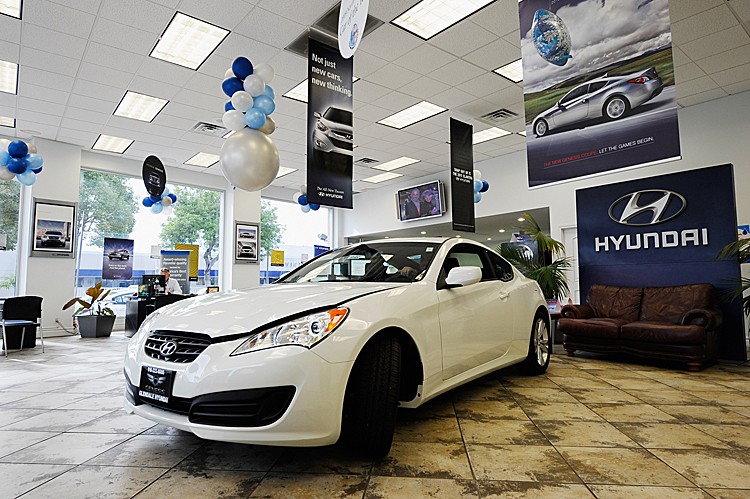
[{"x": 10, "y": 194}]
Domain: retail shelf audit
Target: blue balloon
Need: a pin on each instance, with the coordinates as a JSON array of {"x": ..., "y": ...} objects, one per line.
[
  {"x": 4, "y": 157},
  {"x": 17, "y": 165},
  {"x": 477, "y": 185},
  {"x": 264, "y": 103},
  {"x": 157, "y": 208},
  {"x": 269, "y": 92},
  {"x": 155, "y": 199},
  {"x": 37, "y": 170},
  {"x": 255, "y": 118},
  {"x": 34, "y": 161},
  {"x": 231, "y": 85},
  {"x": 477, "y": 197},
  {"x": 314, "y": 206},
  {"x": 485, "y": 186},
  {"x": 26, "y": 178},
  {"x": 302, "y": 200},
  {"x": 305, "y": 208},
  {"x": 18, "y": 149},
  {"x": 147, "y": 202},
  {"x": 166, "y": 191},
  {"x": 228, "y": 106},
  {"x": 242, "y": 67},
  {"x": 173, "y": 197}
]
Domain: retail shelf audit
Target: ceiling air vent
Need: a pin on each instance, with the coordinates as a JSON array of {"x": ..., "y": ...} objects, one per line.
[
  {"x": 209, "y": 129},
  {"x": 365, "y": 161},
  {"x": 498, "y": 116}
]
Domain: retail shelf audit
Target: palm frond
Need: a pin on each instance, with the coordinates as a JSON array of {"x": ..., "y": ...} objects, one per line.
[
  {"x": 739, "y": 249},
  {"x": 551, "y": 278},
  {"x": 544, "y": 242}
]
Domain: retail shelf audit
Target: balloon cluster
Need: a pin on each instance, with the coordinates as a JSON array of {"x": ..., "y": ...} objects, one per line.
[
  {"x": 301, "y": 198},
  {"x": 19, "y": 160},
  {"x": 480, "y": 186},
  {"x": 249, "y": 159},
  {"x": 161, "y": 204}
]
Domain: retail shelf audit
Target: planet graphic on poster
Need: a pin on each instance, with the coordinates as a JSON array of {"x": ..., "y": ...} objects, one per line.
[{"x": 551, "y": 37}]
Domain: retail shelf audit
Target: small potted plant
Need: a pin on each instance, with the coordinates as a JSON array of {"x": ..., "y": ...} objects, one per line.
[{"x": 95, "y": 320}]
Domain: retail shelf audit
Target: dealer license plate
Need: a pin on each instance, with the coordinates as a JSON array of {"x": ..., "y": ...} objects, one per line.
[{"x": 156, "y": 384}]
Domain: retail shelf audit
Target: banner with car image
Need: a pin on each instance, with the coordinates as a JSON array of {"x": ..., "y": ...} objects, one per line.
[
  {"x": 329, "y": 127},
  {"x": 599, "y": 89},
  {"x": 118, "y": 259}
]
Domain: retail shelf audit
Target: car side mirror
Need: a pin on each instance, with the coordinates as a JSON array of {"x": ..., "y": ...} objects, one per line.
[
  {"x": 463, "y": 276},
  {"x": 560, "y": 105},
  {"x": 317, "y": 114}
]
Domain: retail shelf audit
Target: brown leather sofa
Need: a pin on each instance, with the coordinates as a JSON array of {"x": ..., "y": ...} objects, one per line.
[{"x": 679, "y": 323}]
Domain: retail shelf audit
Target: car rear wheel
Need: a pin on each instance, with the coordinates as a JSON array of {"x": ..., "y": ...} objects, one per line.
[
  {"x": 540, "y": 344},
  {"x": 541, "y": 128},
  {"x": 616, "y": 107},
  {"x": 371, "y": 399}
]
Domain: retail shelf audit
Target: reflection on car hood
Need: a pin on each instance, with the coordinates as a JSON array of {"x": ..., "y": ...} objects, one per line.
[{"x": 232, "y": 312}]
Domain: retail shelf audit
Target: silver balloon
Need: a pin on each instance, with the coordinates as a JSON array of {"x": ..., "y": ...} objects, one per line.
[
  {"x": 229, "y": 73},
  {"x": 6, "y": 174},
  {"x": 254, "y": 85},
  {"x": 242, "y": 101},
  {"x": 249, "y": 160},
  {"x": 233, "y": 120},
  {"x": 265, "y": 72},
  {"x": 269, "y": 126},
  {"x": 32, "y": 149},
  {"x": 303, "y": 189},
  {"x": 166, "y": 201}
]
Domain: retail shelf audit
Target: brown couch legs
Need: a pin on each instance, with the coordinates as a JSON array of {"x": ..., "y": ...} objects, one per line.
[{"x": 695, "y": 367}]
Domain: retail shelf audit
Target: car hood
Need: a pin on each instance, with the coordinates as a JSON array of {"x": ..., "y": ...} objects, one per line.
[
  {"x": 337, "y": 127},
  {"x": 233, "y": 312}
]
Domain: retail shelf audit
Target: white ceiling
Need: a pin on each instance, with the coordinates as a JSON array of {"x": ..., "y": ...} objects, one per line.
[{"x": 78, "y": 57}]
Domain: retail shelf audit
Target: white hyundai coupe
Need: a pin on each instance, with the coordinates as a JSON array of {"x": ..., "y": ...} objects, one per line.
[{"x": 334, "y": 347}]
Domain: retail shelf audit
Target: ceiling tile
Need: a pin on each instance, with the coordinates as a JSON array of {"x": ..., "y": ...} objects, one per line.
[
  {"x": 90, "y": 6},
  {"x": 111, "y": 57},
  {"x": 153, "y": 88},
  {"x": 507, "y": 97},
  {"x": 215, "y": 66},
  {"x": 493, "y": 55},
  {"x": 367, "y": 92},
  {"x": 457, "y": 72},
  {"x": 701, "y": 97},
  {"x": 366, "y": 64},
  {"x": 703, "y": 24},
  {"x": 301, "y": 12},
  {"x": 732, "y": 76},
  {"x": 485, "y": 84},
  {"x": 58, "y": 17},
  {"x": 223, "y": 13},
  {"x": 424, "y": 87},
  {"x": 717, "y": 43},
  {"x": 696, "y": 86},
  {"x": 679, "y": 57},
  {"x": 463, "y": 38},
  {"x": 97, "y": 90},
  {"x": 206, "y": 84},
  {"x": 396, "y": 101},
  {"x": 42, "y": 93},
  {"x": 55, "y": 42},
  {"x": 398, "y": 41},
  {"x": 73, "y": 124},
  {"x": 393, "y": 77},
  {"x": 141, "y": 14},
  {"x": 186, "y": 112},
  {"x": 737, "y": 88},
  {"x": 451, "y": 98},
  {"x": 40, "y": 106},
  {"x": 683, "y": 9},
  {"x": 688, "y": 72},
  {"x": 45, "y": 78},
  {"x": 105, "y": 76},
  {"x": 235, "y": 45},
  {"x": 742, "y": 8},
  {"x": 726, "y": 60},
  {"x": 10, "y": 51},
  {"x": 114, "y": 34},
  {"x": 269, "y": 27},
  {"x": 374, "y": 113},
  {"x": 425, "y": 59},
  {"x": 10, "y": 29},
  {"x": 290, "y": 65},
  {"x": 49, "y": 62},
  {"x": 166, "y": 72},
  {"x": 92, "y": 104},
  {"x": 213, "y": 103},
  {"x": 500, "y": 18},
  {"x": 85, "y": 115},
  {"x": 45, "y": 130}
]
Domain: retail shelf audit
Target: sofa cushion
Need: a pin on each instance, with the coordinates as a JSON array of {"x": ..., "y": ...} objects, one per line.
[
  {"x": 615, "y": 302},
  {"x": 596, "y": 328},
  {"x": 669, "y": 304},
  {"x": 663, "y": 332}
]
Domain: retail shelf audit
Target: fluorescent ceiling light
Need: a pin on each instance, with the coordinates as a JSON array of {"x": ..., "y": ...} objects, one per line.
[
  {"x": 8, "y": 77},
  {"x": 139, "y": 106},
  {"x": 489, "y": 134},
  {"x": 430, "y": 17},
  {"x": 396, "y": 163},
  {"x": 111, "y": 144},
  {"x": 522, "y": 133},
  {"x": 285, "y": 170},
  {"x": 9, "y": 122},
  {"x": 381, "y": 177},
  {"x": 512, "y": 71},
  {"x": 299, "y": 92},
  {"x": 11, "y": 8},
  {"x": 203, "y": 159},
  {"x": 411, "y": 115},
  {"x": 188, "y": 41}
]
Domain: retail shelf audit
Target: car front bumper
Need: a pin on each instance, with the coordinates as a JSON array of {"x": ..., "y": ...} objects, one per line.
[{"x": 323, "y": 142}]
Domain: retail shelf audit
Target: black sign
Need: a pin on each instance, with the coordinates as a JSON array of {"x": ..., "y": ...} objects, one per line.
[
  {"x": 154, "y": 176},
  {"x": 156, "y": 383},
  {"x": 462, "y": 176},
  {"x": 330, "y": 138},
  {"x": 663, "y": 231}
]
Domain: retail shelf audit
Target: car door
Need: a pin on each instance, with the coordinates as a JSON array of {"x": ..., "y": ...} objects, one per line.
[
  {"x": 476, "y": 321},
  {"x": 574, "y": 107}
]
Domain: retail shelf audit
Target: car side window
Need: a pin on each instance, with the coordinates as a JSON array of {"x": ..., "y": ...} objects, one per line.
[
  {"x": 503, "y": 269},
  {"x": 574, "y": 94},
  {"x": 597, "y": 85},
  {"x": 467, "y": 256}
]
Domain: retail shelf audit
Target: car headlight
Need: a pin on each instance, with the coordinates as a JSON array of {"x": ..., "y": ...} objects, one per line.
[
  {"x": 305, "y": 331},
  {"x": 322, "y": 127}
]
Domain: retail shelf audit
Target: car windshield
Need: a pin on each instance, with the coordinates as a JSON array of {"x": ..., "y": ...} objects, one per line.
[
  {"x": 338, "y": 115},
  {"x": 368, "y": 262},
  {"x": 53, "y": 233}
]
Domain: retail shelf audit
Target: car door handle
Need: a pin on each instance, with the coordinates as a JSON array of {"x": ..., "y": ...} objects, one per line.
[
  {"x": 584, "y": 101},
  {"x": 503, "y": 295}
]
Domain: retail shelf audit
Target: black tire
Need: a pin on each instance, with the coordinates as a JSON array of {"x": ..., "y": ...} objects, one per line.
[
  {"x": 371, "y": 399},
  {"x": 541, "y": 128},
  {"x": 540, "y": 346},
  {"x": 616, "y": 107}
]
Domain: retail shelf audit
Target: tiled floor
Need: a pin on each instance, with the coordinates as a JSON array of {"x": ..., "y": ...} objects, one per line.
[{"x": 592, "y": 427}]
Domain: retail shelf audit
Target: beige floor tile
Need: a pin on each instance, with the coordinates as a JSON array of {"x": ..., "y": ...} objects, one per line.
[
  {"x": 522, "y": 463},
  {"x": 116, "y": 422},
  {"x": 17, "y": 478},
  {"x": 428, "y": 430},
  {"x": 640, "y": 383},
  {"x": 745, "y": 411},
  {"x": 233, "y": 457},
  {"x": 485, "y": 410},
  {"x": 584, "y": 434},
  {"x": 393, "y": 487},
  {"x": 528, "y": 382},
  {"x": 740, "y": 384},
  {"x": 319, "y": 460},
  {"x": 665, "y": 396},
  {"x": 98, "y": 481},
  {"x": 545, "y": 395},
  {"x": 620, "y": 466},
  {"x": 645, "y": 492},
  {"x": 735, "y": 435},
  {"x": 98, "y": 402},
  {"x": 630, "y": 413},
  {"x": 12, "y": 441},
  {"x": 479, "y": 392},
  {"x": 704, "y": 414},
  {"x": 308, "y": 486},
  {"x": 577, "y": 383},
  {"x": 607, "y": 396},
  {"x": 502, "y": 432},
  {"x": 692, "y": 384},
  {"x": 66, "y": 448},
  {"x": 200, "y": 484},
  {"x": 46, "y": 401},
  {"x": 55, "y": 420},
  {"x": 710, "y": 468},
  {"x": 11, "y": 416},
  {"x": 728, "y": 493},
  {"x": 425, "y": 460},
  {"x": 441, "y": 407},
  {"x": 531, "y": 490},
  {"x": 670, "y": 436},
  {"x": 559, "y": 412},
  {"x": 148, "y": 451}
]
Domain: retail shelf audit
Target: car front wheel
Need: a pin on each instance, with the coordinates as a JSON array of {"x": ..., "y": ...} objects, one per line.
[
  {"x": 541, "y": 128},
  {"x": 537, "y": 360},
  {"x": 616, "y": 107}
]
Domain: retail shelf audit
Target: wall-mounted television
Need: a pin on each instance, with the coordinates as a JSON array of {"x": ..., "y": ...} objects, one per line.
[{"x": 421, "y": 201}]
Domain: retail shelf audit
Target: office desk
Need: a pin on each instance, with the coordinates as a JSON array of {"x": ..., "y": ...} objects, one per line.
[{"x": 137, "y": 310}]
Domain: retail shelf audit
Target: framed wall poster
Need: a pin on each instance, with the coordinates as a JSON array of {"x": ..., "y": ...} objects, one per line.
[
  {"x": 53, "y": 233},
  {"x": 246, "y": 241}
]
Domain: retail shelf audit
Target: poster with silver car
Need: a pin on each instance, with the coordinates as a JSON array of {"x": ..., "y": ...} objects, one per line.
[{"x": 53, "y": 233}]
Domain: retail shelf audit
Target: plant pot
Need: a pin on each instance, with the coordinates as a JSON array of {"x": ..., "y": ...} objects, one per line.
[{"x": 95, "y": 326}]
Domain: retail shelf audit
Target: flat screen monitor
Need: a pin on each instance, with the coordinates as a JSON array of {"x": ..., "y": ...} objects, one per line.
[
  {"x": 154, "y": 280},
  {"x": 421, "y": 201}
]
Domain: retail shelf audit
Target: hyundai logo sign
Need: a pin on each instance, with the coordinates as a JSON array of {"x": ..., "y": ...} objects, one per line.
[
  {"x": 647, "y": 207},
  {"x": 168, "y": 348}
]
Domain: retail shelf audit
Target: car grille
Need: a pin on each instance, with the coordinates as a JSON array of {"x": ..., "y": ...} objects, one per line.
[
  {"x": 188, "y": 347},
  {"x": 341, "y": 143}
]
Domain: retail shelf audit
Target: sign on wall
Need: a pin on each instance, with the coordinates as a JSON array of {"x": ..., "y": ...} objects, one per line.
[
  {"x": 118, "y": 259},
  {"x": 462, "y": 176},
  {"x": 599, "y": 90},
  {"x": 277, "y": 258},
  {"x": 178, "y": 263},
  {"x": 329, "y": 127},
  {"x": 194, "y": 249},
  {"x": 663, "y": 231}
]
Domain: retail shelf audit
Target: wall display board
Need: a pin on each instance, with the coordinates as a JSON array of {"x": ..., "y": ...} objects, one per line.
[
  {"x": 462, "y": 176},
  {"x": 178, "y": 263},
  {"x": 664, "y": 231},
  {"x": 421, "y": 201},
  {"x": 599, "y": 90},
  {"x": 53, "y": 234},
  {"x": 117, "y": 260},
  {"x": 329, "y": 127},
  {"x": 194, "y": 250},
  {"x": 246, "y": 241}
]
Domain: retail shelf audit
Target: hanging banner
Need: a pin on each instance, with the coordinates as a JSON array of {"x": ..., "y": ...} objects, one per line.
[
  {"x": 462, "y": 176},
  {"x": 178, "y": 263},
  {"x": 194, "y": 250},
  {"x": 352, "y": 17},
  {"x": 599, "y": 90},
  {"x": 154, "y": 176},
  {"x": 118, "y": 259},
  {"x": 329, "y": 127}
]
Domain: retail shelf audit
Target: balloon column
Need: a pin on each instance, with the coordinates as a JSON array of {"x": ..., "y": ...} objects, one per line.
[
  {"x": 249, "y": 158},
  {"x": 161, "y": 204},
  {"x": 19, "y": 160},
  {"x": 301, "y": 198},
  {"x": 160, "y": 200},
  {"x": 480, "y": 186}
]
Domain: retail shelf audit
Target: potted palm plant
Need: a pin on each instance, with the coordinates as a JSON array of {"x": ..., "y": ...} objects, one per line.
[
  {"x": 95, "y": 320},
  {"x": 741, "y": 250}
]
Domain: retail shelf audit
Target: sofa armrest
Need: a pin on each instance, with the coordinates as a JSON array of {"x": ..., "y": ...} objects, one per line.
[
  {"x": 583, "y": 311},
  {"x": 709, "y": 319}
]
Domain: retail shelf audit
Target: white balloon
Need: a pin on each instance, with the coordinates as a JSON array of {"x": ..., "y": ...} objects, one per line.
[
  {"x": 249, "y": 160},
  {"x": 233, "y": 120},
  {"x": 265, "y": 72},
  {"x": 229, "y": 74},
  {"x": 6, "y": 174},
  {"x": 32, "y": 149},
  {"x": 242, "y": 101},
  {"x": 269, "y": 126},
  {"x": 295, "y": 197},
  {"x": 4, "y": 143},
  {"x": 477, "y": 175},
  {"x": 303, "y": 189},
  {"x": 167, "y": 210},
  {"x": 254, "y": 85},
  {"x": 166, "y": 201}
]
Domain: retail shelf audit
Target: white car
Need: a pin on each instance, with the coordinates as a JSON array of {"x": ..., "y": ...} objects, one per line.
[{"x": 335, "y": 346}]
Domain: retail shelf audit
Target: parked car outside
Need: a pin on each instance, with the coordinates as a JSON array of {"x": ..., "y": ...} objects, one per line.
[{"x": 52, "y": 238}]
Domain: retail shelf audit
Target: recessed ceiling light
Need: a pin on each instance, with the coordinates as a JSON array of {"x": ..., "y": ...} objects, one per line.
[
  {"x": 111, "y": 144},
  {"x": 396, "y": 163},
  {"x": 285, "y": 170},
  {"x": 188, "y": 41},
  {"x": 521, "y": 219},
  {"x": 8, "y": 77},
  {"x": 459, "y": 236},
  {"x": 429, "y": 17},
  {"x": 203, "y": 159},
  {"x": 376, "y": 179},
  {"x": 489, "y": 239},
  {"x": 387, "y": 237},
  {"x": 512, "y": 71},
  {"x": 489, "y": 134},
  {"x": 501, "y": 230},
  {"x": 140, "y": 106},
  {"x": 522, "y": 133},
  {"x": 299, "y": 92},
  {"x": 411, "y": 115},
  {"x": 423, "y": 232},
  {"x": 9, "y": 122},
  {"x": 11, "y": 8}
]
